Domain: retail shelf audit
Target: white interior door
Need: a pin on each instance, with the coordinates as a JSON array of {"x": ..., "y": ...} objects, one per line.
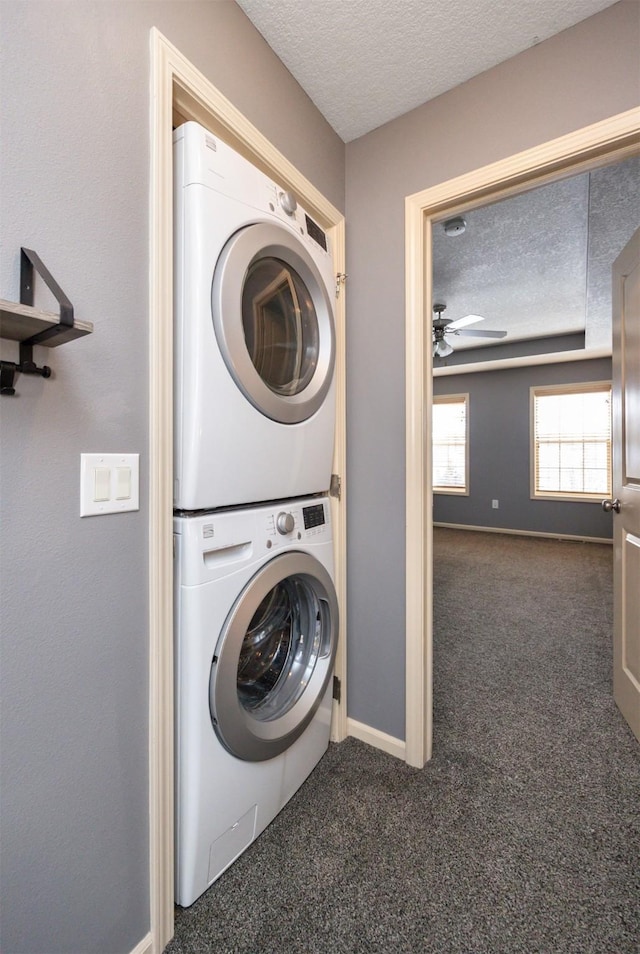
[{"x": 626, "y": 482}]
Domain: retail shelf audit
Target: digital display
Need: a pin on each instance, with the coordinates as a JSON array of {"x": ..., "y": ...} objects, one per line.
[
  {"x": 313, "y": 516},
  {"x": 316, "y": 233}
]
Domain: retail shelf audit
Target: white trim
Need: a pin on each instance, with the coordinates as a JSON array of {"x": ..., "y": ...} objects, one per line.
[
  {"x": 161, "y": 842},
  {"x": 419, "y": 497},
  {"x": 339, "y": 506},
  {"x": 524, "y": 533},
  {"x": 571, "y": 497},
  {"x": 586, "y": 148},
  {"x": 558, "y": 357},
  {"x": 597, "y": 145},
  {"x": 180, "y": 90},
  {"x": 145, "y": 946},
  {"x": 376, "y": 738}
]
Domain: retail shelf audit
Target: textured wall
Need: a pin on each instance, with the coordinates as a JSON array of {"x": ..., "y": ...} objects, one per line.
[
  {"x": 581, "y": 76},
  {"x": 499, "y": 453},
  {"x": 75, "y": 187}
]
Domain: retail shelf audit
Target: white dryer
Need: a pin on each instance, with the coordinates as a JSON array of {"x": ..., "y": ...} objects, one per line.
[
  {"x": 256, "y": 634},
  {"x": 254, "y": 334}
]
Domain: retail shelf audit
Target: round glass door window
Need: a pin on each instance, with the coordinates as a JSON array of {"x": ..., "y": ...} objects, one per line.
[
  {"x": 280, "y": 326},
  {"x": 287, "y": 634},
  {"x": 273, "y": 320},
  {"x": 274, "y": 658}
]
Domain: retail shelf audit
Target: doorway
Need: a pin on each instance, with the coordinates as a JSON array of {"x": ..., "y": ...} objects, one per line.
[{"x": 603, "y": 143}]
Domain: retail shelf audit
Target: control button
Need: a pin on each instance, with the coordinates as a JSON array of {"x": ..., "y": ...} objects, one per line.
[
  {"x": 123, "y": 483},
  {"x": 102, "y": 483},
  {"x": 288, "y": 202},
  {"x": 285, "y": 522}
]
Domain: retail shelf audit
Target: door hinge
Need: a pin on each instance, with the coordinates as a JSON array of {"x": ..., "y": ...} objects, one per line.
[
  {"x": 335, "y": 487},
  {"x": 341, "y": 278},
  {"x": 336, "y": 688}
]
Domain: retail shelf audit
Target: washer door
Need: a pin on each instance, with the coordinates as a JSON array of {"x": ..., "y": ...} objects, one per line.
[
  {"x": 273, "y": 320},
  {"x": 274, "y": 657}
]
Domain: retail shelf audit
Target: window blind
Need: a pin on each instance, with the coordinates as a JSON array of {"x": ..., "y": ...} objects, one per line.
[
  {"x": 450, "y": 443},
  {"x": 572, "y": 437}
]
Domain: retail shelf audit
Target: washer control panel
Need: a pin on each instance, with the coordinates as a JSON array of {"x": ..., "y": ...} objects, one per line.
[
  {"x": 313, "y": 516},
  {"x": 212, "y": 545},
  {"x": 308, "y": 520}
]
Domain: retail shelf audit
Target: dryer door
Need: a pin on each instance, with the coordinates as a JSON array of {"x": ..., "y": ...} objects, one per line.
[
  {"x": 273, "y": 320},
  {"x": 274, "y": 657}
]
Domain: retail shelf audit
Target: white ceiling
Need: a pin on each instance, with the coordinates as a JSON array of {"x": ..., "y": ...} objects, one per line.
[
  {"x": 365, "y": 62},
  {"x": 538, "y": 265}
]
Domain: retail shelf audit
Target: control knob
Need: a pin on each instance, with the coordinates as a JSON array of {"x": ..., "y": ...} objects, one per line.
[
  {"x": 285, "y": 522},
  {"x": 288, "y": 202}
]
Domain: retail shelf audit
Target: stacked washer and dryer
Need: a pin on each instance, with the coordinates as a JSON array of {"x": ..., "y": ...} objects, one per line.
[{"x": 256, "y": 614}]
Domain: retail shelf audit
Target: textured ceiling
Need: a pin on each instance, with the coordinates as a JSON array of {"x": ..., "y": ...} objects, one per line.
[
  {"x": 538, "y": 264},
  {"x": 365, "y": 62}
]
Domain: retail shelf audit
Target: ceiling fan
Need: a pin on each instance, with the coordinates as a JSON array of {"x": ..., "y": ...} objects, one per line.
[{"x": 444, "y": 326}]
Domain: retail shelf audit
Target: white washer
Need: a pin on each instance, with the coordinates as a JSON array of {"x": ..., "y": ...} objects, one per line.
[
  {"x": 254, "y": 334},
  {"x": 256, "y": 636}
]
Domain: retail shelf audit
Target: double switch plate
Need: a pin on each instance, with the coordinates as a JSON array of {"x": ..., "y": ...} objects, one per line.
[{"x": 109, "y": 483}]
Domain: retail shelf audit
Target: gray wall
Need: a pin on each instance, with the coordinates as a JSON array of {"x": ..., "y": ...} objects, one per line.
[
  {"x": 75, "y": 187},
  {"x": 499, "y": 453},
  {"x": 514, "y": 349},
  {"x": 581, "y": 76}
]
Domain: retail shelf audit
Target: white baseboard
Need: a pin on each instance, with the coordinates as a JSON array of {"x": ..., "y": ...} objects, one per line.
[
  {"x": 145, "y": 946},
  {"x": 376, "y": 738},
  {"x": 525, "y": 533}
]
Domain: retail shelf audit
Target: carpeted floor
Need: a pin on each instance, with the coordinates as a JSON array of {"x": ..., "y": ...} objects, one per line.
[{"x": 523, "y": 832}]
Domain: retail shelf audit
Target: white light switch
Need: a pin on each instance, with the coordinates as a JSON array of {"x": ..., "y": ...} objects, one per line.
[
  {"x": 123, "y": 483},
  {"x": 102, "y": 486},
  {"x": 109, "y": 483}
]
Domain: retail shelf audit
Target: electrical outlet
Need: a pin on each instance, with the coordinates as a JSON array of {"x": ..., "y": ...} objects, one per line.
[{"x": 495, "y": 504}]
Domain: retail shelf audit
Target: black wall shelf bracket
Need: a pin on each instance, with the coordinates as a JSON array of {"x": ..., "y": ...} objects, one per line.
[
  {"x": 30, "y": 326},
  {"x": 9, "y": 369}
]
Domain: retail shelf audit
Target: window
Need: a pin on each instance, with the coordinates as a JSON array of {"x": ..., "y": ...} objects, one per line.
[
  {"x": 450, "y": 443},
  {"x": 571, "y": 441}
]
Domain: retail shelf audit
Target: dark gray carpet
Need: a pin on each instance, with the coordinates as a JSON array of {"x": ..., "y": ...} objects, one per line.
[{"x": 523, "y": 832}]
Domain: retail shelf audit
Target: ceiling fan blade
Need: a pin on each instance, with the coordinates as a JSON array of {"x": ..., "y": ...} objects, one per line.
[
  {"x": 467, "y": 320},
  {"x": 481, "y": 334}
]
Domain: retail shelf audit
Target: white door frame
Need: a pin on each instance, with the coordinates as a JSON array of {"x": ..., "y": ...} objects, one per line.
[
  {"x": 600, "y": 144},
  {"x": 179, "y": 92}
]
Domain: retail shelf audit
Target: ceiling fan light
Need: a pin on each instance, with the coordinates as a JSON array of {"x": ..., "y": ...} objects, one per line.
[{"x": 443, "y": 348}]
